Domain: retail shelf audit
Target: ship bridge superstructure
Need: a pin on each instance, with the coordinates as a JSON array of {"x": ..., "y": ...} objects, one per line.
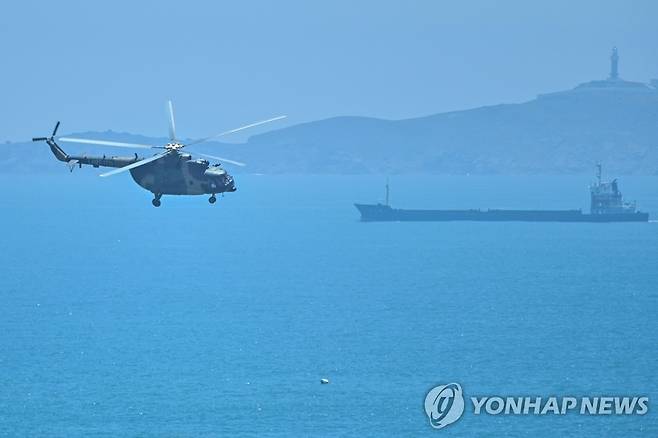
[{"x": 606, "y": 197}]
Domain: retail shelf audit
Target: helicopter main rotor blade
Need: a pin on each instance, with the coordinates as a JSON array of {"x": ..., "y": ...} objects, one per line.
[
  {"x": 135, "y": 164},
  {"x": 223, "y": 160},
  {"x": 172, "y": 123},
  {"x": 251, "y": 125},
  {"x": 107, "y": 143}
]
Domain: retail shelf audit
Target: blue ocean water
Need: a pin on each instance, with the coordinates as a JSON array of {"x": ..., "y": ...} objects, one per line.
[{"x": 120, "y": 319}]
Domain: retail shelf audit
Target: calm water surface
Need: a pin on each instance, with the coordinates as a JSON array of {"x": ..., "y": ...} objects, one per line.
[{"x": 119, "y": 319}]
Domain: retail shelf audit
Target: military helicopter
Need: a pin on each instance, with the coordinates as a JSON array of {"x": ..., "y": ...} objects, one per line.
[{"x": 170, "y": 172}]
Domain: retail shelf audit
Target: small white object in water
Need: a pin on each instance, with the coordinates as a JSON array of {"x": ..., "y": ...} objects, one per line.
[{"x": 324, "y": 381}]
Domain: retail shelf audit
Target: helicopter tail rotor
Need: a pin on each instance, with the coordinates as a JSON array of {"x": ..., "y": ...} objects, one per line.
[
  {"x": 52, "y": 136},
  {"x": 54, "y": 147},
  {"x": 55, "y": 130}
]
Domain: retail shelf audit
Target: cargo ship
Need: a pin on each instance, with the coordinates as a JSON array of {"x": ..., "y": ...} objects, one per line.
[{"x": 607, "y": 205}]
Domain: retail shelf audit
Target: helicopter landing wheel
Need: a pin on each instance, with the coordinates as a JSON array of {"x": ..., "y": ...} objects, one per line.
[
  {"x": 156, "y": 201},
  {"x": 212, "y": 199}
]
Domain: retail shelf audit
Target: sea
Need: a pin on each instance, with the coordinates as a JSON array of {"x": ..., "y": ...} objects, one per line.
[{"x": 119, "y": 319}]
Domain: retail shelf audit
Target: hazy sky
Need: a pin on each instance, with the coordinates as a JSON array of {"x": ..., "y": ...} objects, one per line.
[{"x": 111, "y": 65}]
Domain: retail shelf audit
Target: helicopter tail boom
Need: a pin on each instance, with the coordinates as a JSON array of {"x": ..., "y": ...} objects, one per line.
[
  {"x": 95, "y": 161},
  {"x": 57, "y": 151}
]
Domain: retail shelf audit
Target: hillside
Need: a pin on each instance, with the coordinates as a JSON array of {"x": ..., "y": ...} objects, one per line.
[
  {"x": 559, "y": 133},
  {"x": 614, "y": 122}
]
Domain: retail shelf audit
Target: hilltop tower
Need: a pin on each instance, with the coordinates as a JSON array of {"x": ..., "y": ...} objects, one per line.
[
  {"x": 614, "y": 65},
  {"x": 612, "y": 84}
]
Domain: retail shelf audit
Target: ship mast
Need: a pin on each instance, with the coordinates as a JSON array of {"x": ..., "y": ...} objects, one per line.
[
  {"x": 387, "y": 192},
  {"x": 598, "y": 172},
  {"x": 614, "y": 64}
]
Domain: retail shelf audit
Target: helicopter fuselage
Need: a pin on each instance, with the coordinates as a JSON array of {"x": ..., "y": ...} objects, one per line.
[{"x": 179, "y": 174}]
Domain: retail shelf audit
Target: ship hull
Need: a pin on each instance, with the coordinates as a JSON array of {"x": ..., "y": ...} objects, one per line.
[{"x": 384, "y": 213}]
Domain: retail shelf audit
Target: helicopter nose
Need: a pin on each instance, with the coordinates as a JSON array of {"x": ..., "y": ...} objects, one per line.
[{"x": 230, "y": 184}]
